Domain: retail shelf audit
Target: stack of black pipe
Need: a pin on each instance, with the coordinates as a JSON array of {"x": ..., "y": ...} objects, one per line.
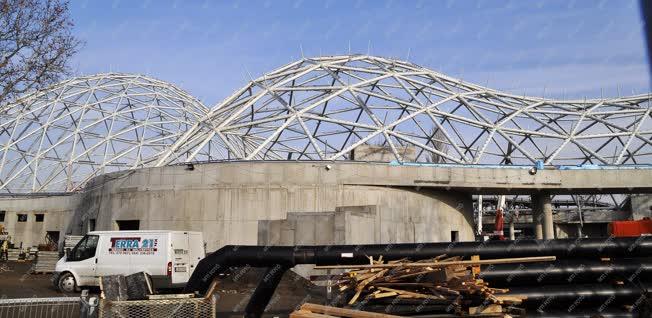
[
  {"x": 581, "y": 283},
  {"x": 602, "y": 283}
]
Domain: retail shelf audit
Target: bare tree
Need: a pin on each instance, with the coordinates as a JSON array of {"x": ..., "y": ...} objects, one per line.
[{"x": 36, "y": 44}]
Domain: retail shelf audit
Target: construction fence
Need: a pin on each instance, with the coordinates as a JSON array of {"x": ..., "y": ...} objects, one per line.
[
  {"x": 52, "y": 307},
  {"x": 90, "y": 307},
  {"x": 169, "y": 308}
]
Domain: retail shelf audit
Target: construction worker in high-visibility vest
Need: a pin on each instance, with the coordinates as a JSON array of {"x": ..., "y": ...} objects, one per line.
[{"x": 4, "y": 250}]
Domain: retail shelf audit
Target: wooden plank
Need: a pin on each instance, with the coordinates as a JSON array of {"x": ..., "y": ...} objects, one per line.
[
  {"x": 393, "y": 278},
  {"x": 490, "y": 309},
  {"x": 515, "y": 300},
  {"x": 385, "y": 294},
  {"x": 411, "y": 294},
  {"x": 307, "y": 314},
  {"x": 429, "y": 285},
  {"x": 443, "y": 264},
  {"x": 364, "y": 283},
  {"x": 211, "y": 289},
  {"x": 343, "y": 312},
  {"x": 170, "y": 296},
  {"x": 446, "y": 290},
  {"x": 475, "y": 269}
]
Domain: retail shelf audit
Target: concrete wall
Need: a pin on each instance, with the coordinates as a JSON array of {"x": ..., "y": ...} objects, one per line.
[
  {"x": 57, "y": 211},
  {"x": 227, "y": 202},
  {"x": 352, "y": 225}
]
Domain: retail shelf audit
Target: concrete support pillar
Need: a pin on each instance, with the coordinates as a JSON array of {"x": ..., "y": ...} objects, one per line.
[
  {"x": 542, "y": 216},
  {"x": 479, "y": 221},
  {"x": 537, "y": 218},
  {"x": 512, "y": 235}
]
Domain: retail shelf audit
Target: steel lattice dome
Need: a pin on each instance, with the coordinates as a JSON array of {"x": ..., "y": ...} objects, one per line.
[
  {"x": 324, "y": 108},
  {"x": 57, "y": 139},
  {"x": 321, "y": 108}
]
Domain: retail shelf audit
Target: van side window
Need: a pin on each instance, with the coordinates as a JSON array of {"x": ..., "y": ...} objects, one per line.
[{"x": 85, "y": 249}]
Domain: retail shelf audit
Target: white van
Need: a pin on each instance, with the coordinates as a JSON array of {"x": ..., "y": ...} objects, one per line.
[{"x": 169, "y": 257}]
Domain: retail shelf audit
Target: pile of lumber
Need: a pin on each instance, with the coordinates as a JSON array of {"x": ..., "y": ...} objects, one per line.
[
  {"x": 13, "y": 254},
  {"x": 30, "y": 254},
  {"x": 438, "y": 285},
  {"x": 45, "y": 261}
]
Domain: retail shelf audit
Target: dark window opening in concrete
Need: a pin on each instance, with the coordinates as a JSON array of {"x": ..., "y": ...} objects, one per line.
[
  {"x": 128, "y": 225},
  {"x": 52, "y": 237},
  {"x": 39, "y": 217},
  {"x": 91, "y": 225},
  {"x": 455, "y": 236},
  {"x": 2, "y": 216},
  {"x": 527, "y": 233},
  {"x": 22, "y": 217}
]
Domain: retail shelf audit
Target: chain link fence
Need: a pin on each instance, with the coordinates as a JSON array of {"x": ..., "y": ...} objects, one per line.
[
  {"x": 80, "y": 307},
  {"x": 168, "y": 308}
]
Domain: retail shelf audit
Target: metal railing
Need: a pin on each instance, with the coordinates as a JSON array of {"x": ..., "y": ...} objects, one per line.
[{"x": 51, "y": 307}]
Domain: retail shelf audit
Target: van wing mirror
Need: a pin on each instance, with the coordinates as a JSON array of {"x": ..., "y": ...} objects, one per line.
[{"x": 68, "y": 252}]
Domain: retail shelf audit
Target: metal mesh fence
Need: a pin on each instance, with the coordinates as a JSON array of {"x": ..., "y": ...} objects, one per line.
[
  {"x": 160, "y": 308},
  {"x": 54, "y": 307}
]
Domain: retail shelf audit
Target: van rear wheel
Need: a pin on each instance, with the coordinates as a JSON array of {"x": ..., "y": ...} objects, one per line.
[{"x": 67, "y": 283}]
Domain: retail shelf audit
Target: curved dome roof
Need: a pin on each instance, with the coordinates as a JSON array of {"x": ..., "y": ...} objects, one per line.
[
  {"x": 328, "y": 107},
  {"x": 57, "y": 139}
]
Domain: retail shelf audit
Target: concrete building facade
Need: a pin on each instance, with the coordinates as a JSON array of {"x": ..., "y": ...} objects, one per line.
[
  {"x": 237, "y": 203},
  {"x": 302, "y": 202},
  {"x": 29, "y": 219}
]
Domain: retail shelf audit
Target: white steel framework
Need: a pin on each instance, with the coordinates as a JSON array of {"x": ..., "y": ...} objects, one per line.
[
  {"x": 323, "y": 108},
  {"x": 57, "y": 139},
  {"x": 313, "y": 109}
]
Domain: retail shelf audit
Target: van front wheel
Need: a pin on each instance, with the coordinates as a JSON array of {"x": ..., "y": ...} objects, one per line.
[{"x": 67, "y": 283}]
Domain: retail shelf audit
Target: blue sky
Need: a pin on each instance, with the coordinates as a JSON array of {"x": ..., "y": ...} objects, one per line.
[{"x": 557, "y": 48}]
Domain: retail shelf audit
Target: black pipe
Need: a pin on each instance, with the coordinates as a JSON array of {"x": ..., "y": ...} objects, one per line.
[
  {"x": 289, "y": 256},
  {"x": 563, "y": 248},
  {"x": 266, "y": 256},
  {"x": 264, "y": 291},
  {"x": 545, "y": 298},
  {"x": 567, "y": 271},
  {"x": 586, "y": 313}
]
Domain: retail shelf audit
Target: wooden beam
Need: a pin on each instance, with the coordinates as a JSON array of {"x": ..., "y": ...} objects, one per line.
[
  {"x": 307, "y": 314},
  {"x": 342, "y": 312},
  {"x": 475, "y": 269}
]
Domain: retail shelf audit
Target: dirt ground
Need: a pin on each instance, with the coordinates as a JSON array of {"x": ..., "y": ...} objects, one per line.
[
  {"x": 17, "y": 282},
  {"x": 233, "y": 292}
]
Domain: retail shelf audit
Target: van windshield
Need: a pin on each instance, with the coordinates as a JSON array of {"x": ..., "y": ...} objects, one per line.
[{"x": 84, "y": 249}]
